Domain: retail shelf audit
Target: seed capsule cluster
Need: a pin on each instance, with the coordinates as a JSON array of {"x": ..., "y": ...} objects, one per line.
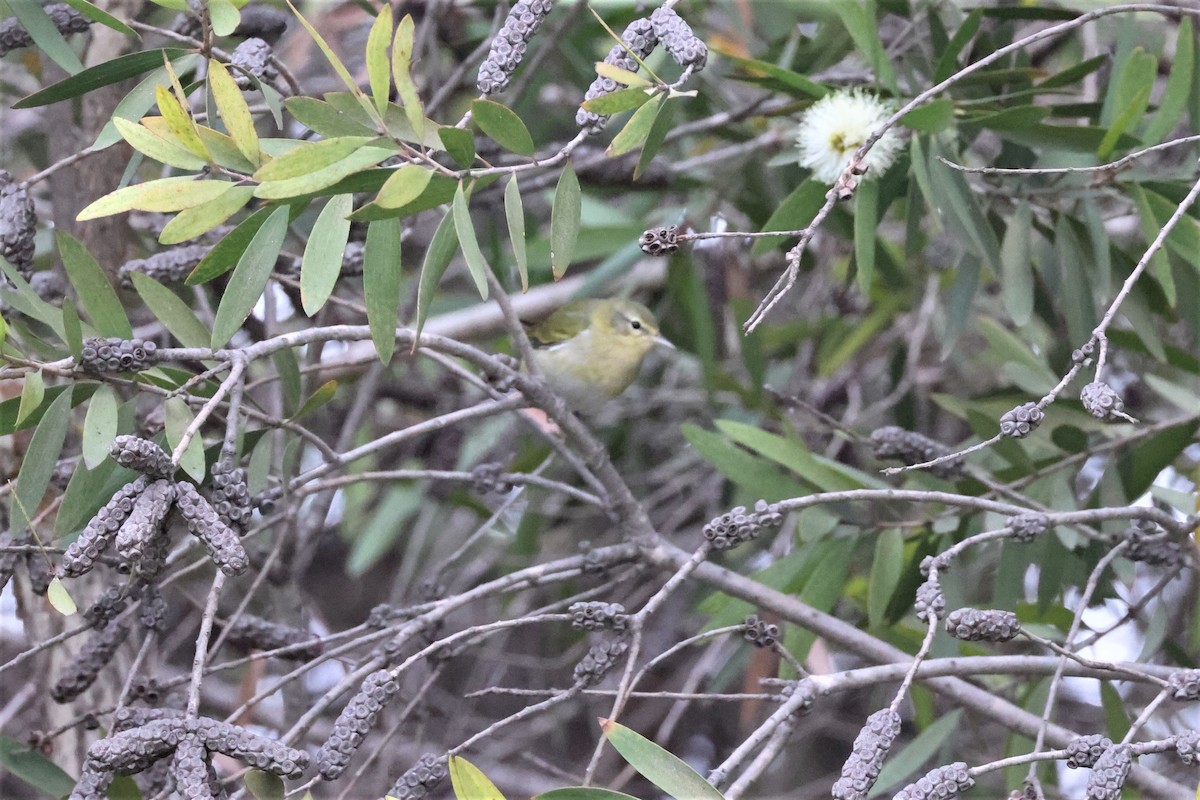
[
  {"x": 600, "y": 659},
  {"x": 760, "y": 633},
  {"x": 1187, "y": 747},
  {"x": 142, "y": 455},
  {"x": 639, "y": 37},
  {"x": 252, "y": 57},
  {"x": 1184, "y": 685},
  {"x": 510, "y": 44},
  {"x": 38, "y": 569},
  {"x": 145, "y": 521},
  {"x": 420, "y": 779},
  {"x": 1102, "y": 402},
  {"x": 167, "y": 266},
  {"x": 940, "y": 783},
  {"x": 13, "y": 35},
  {"x": 741, "y": 525},
  {"x": 930, "y": 600},
  {"x": 982, "y": 625},
  {"x": 152, "y": 611},
  {"x": 18, "y": 221},
  {"x": 1109, "y": 773},
  {"x": 353, "y": 724},
  {"x": 221, "y": 541},
  {"x": 249, "y": 632},
  {"x": 259, "y": 20},
  {"x": 1021, "y": 421},
  {"x": 80, "y": 673},
  {"x": 678, "y": 39},
  {"x": 1084, "y": 751},
  {"x": 913, "y": 448},
  {"x": 116, "y": 355},
  {"x": 660, "y": 241},
  {"x": 1027, "y": 527},
  {"x": 230, "y": 497},
  {"x": 8, "y": 559},
  {"x": 1149, "y": 544},
  {"x": 866, "y": 759},
  {"x": 597, "y": 616}
]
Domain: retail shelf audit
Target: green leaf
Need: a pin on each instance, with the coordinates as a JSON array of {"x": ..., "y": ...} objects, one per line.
[
  {"x": 793, "y": 454},
  {"x": 264, "y": 785},
  {"x": 1178, "y": 88},
  {"x": 377, "y": 58},
  {"x": 385, "y": 526},
  {"x": 167, "y": 151},
  {"x": 72, "y": 328},
  {"x": 381, "y": 283},
  {"x": 1128, "y": 98},
  {"x": 502, "y": 126},
  {"x": 459, "y": 143},
  {"x": 33, "y": 768},
  {"x": 796, "y": 211},
  {"x": 164, "y": 194},
  {"x": 317, "y": 399},
  {"x": 470, "y": 245},
  {"x": 947, "y": 62},
  {"x": 932, "y": 117},
  {"x": 908, "y": 761},
  {"x": 959, "y": 300},
  {"x": 224, "y": 17},
  {"x": 469, "y": 783},
  {"x": 325, "y": 119},
  {"x": 221, "y": 147},
  {"x": 225, "y": 253},
  {"x": 1016, "y": 265},
  {"x": 25, "y": 300},
  {"x": 792, "y": 83},
  {"x": 99, "y": 426},
  {"x": 866, "y": 220},
  {"x": 171, "y": 311},
  {"x": 95, "y": 292},
  {"x": 658, "y": 766},
  {"x": 655, "y": 138},
  {"x": 46, "y": 36},
  {"x": 322, "y": 262},
  {"x": 179, "y": 121},
  {"x": 863, "y": 28},
  {"x": 323, "y": 178},
  {"x": 565, "y": 217},
  {"x": 112, "y": 71},
  {"x": 406, "y": 88},
  {"x": 748, "y": 471},
  {"x": 955, "y": 200},
  {"x": 637, "y": 128},
  {"x": 620, "y": 75},
  {"x": 33, "y": 391},
  {"x": 309, "y": 157},
  {"x": 404, "y": 186},
  {"x": 103, "y": 17},
  {"x": 198, "y": 220},
  {"x": 231, "y": 105},
  {"x": 438, "y": 192},
  {"x": 178, "y": 417},
  {"x": 60, "y": 599},
  {"x": 514, "y": 214},
  {"x": 438, "y": 255},
  {"x": 334, "y": 61},
  {"x": 288, "y": 369},
  {"x": 617, "y": 102},
  {"x": 249, "y": 277},
  {"x": 583, "y": 793},
  {"x": 40, "y": 459},
  {"x": 139, "y": 100},
  {"x": 885, "y": 575}
]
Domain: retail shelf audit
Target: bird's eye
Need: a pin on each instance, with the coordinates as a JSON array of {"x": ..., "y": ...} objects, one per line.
[{"x": 637, "y": 326}]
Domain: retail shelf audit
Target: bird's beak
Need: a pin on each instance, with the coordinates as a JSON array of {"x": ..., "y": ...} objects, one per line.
[{"x": 665, "y": 342}]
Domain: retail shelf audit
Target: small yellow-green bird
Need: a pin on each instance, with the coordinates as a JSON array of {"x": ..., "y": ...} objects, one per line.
[{"x": 589, "y": 351}]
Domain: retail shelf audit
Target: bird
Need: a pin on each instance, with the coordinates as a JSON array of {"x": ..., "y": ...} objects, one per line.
[{"x": 589, "y": 351}]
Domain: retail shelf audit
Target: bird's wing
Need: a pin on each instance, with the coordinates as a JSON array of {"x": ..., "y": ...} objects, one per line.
[{"x": 562, "y": 324}]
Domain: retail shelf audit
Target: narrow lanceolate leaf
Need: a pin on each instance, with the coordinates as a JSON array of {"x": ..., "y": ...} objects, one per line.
[
  {"x": 231, "y": 105},
  {"x": 459, "y": 143},
  {"x": 402, "y": 50},
  {"x": 469, "y": 782},
  {"x": 99, "y": 426},
  {"x": 866, "y": 220},
  {"x": 178, "y": 418},
  {"x": 637, "y": 129},
  {"x": 175, "y": 315},
  {"x": 309, "y": 157},
  {"x": 225, "y": 253},
  {"x": 323, "y": 178},
  {"x": 655, "y": 138},
  {"x": 93, "y": 288},
  {"x": 249, "y": 277},
  {"x": 73, "y": 328},
  {"x": 323, "y": 253},
  {"x": 139, "y": 100},
  {"x": 103, "y": 17},
  {"x": 197, "y": 220},
  {"x": 264, "y": 785},
  {"x": 403, "y": 186},
  {"x": 334, "y": 61},
  {"x": 33, "y": 390},
  {"x": 616, "y": 102},
  {"x": 583, "y": 793},
  {"x": 46, "y": 35},
  {"x": 1179, "y": 86},
  {"x": 381, "y": 284},
  {"x": 40, "y": 458},
  {"x": 60, "y": 598},
  {"x": 180, "y": 122},
  {"x": 470, "y": 245},
  {"x": 164, "y": 194},
  {"x": 1016, "y": 266},
  {"x": 166, "y": 151},
  {"x": 657, "y": 765},
  {"x": 112, "y": 71},
  {"x": 514, "y": 213},
  {"x": 502, "y": 126},
  {"x": 437, "y": 257},
  {"x": 377, "y": 58},
  {"x": 224, "y": 17},
  {"x": 564, "y": 221},
  {"x": 621, "y": 76}
]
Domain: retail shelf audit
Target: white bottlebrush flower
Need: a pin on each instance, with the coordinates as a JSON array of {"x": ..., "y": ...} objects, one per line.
[{"x": 835, "y": 126}]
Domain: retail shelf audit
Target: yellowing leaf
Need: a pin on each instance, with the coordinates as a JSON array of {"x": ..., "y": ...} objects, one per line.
[
  {"x": 169, "y": 151},
  {"x": 197, "y": 220},
  {"x": 231, "y": 105},
  {"x": 309, "y": 157},
  {"x": 179, "y": 122},
  {"x": 403, "y": 186},
  {"x": 307, "y": 184},
  {"x": 621, "y": 76},
  {"x": 470, "y": 783},
  {"x": 60, "y": 598},
  {"x": 402, "y": 50},
  {"x": 164, "y": 194},
  {"x": 377, "y": 58}
]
